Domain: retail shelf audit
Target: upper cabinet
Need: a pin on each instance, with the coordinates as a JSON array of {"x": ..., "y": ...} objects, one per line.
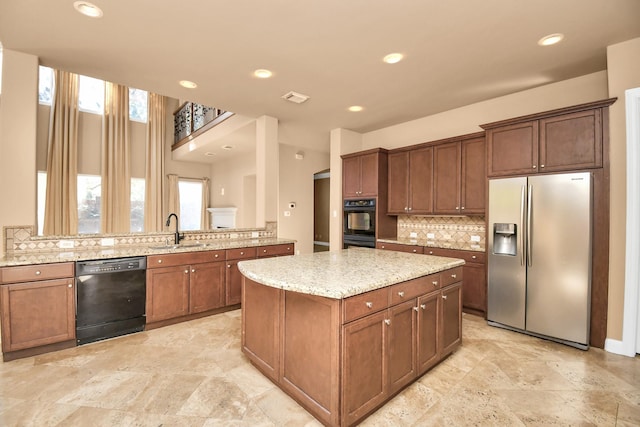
[
  {"x": 411, "y": 182},
  {"x": 559, "y": 140},
  {"x": 361, "y": 173}
]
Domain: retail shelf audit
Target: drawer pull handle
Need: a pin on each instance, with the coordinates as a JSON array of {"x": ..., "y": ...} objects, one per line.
[
  {"x": 423, "y": 306},
  {"x": 453, "y": 276},
  {"x": 38, "y": 273},
  {"x": 444, "y": 297},
  {"x": 387, "y": 322},
  {"x": 401, "y": 294},
  {"x": 216, "y": 256},
  {"x": 193, "y": 270},
  {"x": 186, "y": 272},
  {"x": 473, "y": 257},
  {"x": 415, "y": 250},
  {"x": 228, "y": 265},
  {"x": 159, "y": 261},
  {"x": 369, "y": 304},
  {"x": 241, "y": 253},
  {"x": 430, "y": 252},
  {"x": 435, "y": 283},
  {"x": 264, "y": 251}
]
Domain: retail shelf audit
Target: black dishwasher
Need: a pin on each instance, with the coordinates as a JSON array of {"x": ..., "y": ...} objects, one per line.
[{"x": 110, "y": 298}]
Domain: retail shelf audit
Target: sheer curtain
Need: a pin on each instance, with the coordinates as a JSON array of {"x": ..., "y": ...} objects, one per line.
[
  {"x": 173, "y": 204},
  {"x": 116, "y": 171},
  {"x": 204, "y": 214},
  {"x": 154, "y": 163},
  {"x": 61, "y": 203}
]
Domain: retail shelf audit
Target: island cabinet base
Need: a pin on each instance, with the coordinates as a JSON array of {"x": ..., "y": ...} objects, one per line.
[{"x": 342, "y": 359}]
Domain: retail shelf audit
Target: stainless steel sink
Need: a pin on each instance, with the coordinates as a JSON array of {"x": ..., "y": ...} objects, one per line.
[{"x": 180, "y": 246}]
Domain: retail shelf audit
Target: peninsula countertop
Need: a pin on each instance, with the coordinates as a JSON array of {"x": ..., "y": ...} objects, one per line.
[{"x": 345, "y": 273}]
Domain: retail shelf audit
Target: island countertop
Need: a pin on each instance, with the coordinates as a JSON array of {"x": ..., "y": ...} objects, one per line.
[{"x": 344, "y": 273}]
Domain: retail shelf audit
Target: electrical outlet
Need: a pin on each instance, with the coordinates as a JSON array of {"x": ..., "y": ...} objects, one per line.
[
  {"x": 431, "y": 236},
  {"x": 413, "y": 234},
  {"x": 475, "y": 238},
  {"x": 255, "y": 234},
  {"x": 107, "y": 241},
  {"x": 66, "y": 244}
]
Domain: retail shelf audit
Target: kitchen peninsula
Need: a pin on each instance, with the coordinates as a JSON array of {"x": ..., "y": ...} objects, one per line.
[{"x": 343, "y": 332}]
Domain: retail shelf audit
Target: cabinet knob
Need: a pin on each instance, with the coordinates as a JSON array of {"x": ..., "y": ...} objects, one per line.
[
  {"x": 186, "y": 272},
  {"x": 534, "y": 166},
  {"x": 541, "y": 166},
  {"x": 264, "y": 251},
  {"x": 228, "y": 265},
  {"x": 409, "y": 209},
  {"x": 193, "y": 270},
  {"x": 369, "y": 304},
  {"x": 423, "y": 306},
  {"x": 401, "y": 294},
  {"x": 444, "y": 297},
  {"x": 462, "y": 208},
  {"x": 406, "y": 209},
  {"x": 453, "y": 276},
  {"x": 387, "y": 322},
  {"x": 415, "y": 250},
  {"x": 70, "y": 285},
  {"x": 38, "y": 273},
  {"x": 241, "y": 253},
  {"x": 435, "y": 283},
  {"x": 415, "y": 308},
  {"x": 159, "y": 261},
  {"x": 473, "y": 257},
  {"x": 430, "y": 252},
  {"x": 216, "y": 256}
]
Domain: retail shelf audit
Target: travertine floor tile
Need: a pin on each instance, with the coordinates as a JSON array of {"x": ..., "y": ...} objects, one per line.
[{"x": 194, "y": 374}]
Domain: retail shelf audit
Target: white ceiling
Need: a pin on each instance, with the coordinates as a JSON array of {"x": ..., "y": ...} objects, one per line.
[{"x": 456, "y": 52}]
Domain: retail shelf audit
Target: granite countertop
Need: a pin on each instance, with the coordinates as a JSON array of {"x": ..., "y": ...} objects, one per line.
[
  {"x": 470, "y": 246},
  {"x": 344, "y": 273},
  {"x": 106, "y": 252}
]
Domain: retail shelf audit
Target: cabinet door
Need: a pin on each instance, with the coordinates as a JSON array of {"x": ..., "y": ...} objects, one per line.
[
  {"x": 364, "y": 375},
  {"x": 512, "y": 150},
  {"x": 421, "y": 181},
  {"x": 206, "y": 286},
  {"x": 351, "y": 177},
  {"x": 428, "y": 326},
  {"x": 369, "y": 175},
  {"x": 446, "y": 178},
  {"x": 474, "y": 176},
  {"x": 37, "y": 313},
  {"x": 571, "y": 141},
  {"x": 233, "y": 283},
  {"x": 402, "y": 345},
  {"x": 474, "y": 288},
  {"x": 398, "y": 183},
  {"x": 451, "y": 321},
  {"x": 167, "y": 292}
]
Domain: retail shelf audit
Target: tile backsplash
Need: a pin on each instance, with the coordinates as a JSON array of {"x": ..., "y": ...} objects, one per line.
[
  {"x": 22, "y": 238},
  {"x": 443, "y": 229}
]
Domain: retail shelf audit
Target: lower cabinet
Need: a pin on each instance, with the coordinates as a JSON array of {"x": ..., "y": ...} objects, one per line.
[
  {"x": 233, "y": 280},
  {"x": 38, "y": 306},
  {"x": 343, "y": 359},
  {"x": 184, "y": 283}
]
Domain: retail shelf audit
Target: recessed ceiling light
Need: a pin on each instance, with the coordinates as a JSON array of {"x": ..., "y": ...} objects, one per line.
[
  {"x": 262, "y": 74},
  {"x": 227, "y": 147},
  {"x": 209, "y": 154},
  {"x": 188, "y": 84},
  {"x": 88, "y": 9},
  {"x": 551, "y": 39},
  {"x": 355, "y": 108},
  {"x": 393, "y": 58}
]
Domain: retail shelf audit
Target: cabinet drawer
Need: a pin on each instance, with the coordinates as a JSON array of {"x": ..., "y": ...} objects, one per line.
[
  {"x": 468, "y": 256},
  {"x": 413, "y": 288},
  {"x": 28, "y": 273},
  {"x": 415, "y": 249},
  {"x": 273, "y": 250},
  {"x": 171, "y": 260},
  {"x": 361, "y": 305},
  {"x": 241, "y": 253},
  {"x": 451, "y": 276}
]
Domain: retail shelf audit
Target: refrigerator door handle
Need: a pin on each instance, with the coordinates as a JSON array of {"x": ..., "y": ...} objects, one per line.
[
  {"x": 529, "y": 234},
  {"x": 523, "y": 190}
]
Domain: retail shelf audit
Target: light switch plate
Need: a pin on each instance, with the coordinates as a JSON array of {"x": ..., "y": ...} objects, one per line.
[
  {"x": 255, "y": 234},
  {"x": 287, "y": 213}
]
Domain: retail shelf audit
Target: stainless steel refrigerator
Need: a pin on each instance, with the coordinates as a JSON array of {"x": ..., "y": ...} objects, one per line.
[{"x": 539, "y": 255}]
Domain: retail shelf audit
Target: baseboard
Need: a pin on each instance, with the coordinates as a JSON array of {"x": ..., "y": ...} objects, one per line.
[{"x": 618, "y": 347}]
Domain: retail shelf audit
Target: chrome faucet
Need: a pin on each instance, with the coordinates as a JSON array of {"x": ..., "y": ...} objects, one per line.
[{"x": 177, "y": 235}]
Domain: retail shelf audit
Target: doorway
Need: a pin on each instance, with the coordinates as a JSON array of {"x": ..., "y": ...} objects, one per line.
[{"x": 321, "y": 211}]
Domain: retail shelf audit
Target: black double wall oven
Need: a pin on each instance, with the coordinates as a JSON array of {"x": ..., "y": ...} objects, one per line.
[{"x": 359, "y": 223}]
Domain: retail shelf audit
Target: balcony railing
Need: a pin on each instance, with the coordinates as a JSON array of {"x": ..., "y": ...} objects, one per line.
[{"x": 192, "y": 119}]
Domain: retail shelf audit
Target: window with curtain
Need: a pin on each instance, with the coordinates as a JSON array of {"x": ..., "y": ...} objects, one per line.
[{"x": 190, "y": 204}]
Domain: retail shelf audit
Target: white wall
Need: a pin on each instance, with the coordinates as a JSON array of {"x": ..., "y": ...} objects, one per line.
[
  {"x": 296, "y": 185},
  {"x": 230, "y": 176}
]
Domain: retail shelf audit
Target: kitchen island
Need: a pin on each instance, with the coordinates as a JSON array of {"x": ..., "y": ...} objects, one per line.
[{"x": 343, "y": 332}]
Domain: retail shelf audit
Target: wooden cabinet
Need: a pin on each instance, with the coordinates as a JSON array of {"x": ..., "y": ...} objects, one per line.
[
  {"x": 460, "y": 177},
  {"x": 184, "y": 283},
  {"x": 400, "y": 248},
  {"x": 450, "y": 329},
  {"x": 276, "y": 250},
  {"x": 410, "y": 182},
  {"x": 474, "y": 287},
  {"x": 38, "y": 306},
  {"x": 428, "y": 325},
  {"x": 360, "y": 174},
  {"x": 233, "y": 279},
  {"x": 559, "y": 140}
]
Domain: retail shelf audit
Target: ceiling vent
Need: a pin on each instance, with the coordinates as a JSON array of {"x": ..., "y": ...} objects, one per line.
[{"x": 296, "y": 97}]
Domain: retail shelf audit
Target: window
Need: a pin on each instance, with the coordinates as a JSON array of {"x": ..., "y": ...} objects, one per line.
[
  {"x": 138, "y": 105},
  {"x": 137, "y": 204},
  {"x": 91, "y": 95},
  {"x": 89, "y": 193},
  {"x": 190, "y": 204},
  {"x": 45, "y": 85}
]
